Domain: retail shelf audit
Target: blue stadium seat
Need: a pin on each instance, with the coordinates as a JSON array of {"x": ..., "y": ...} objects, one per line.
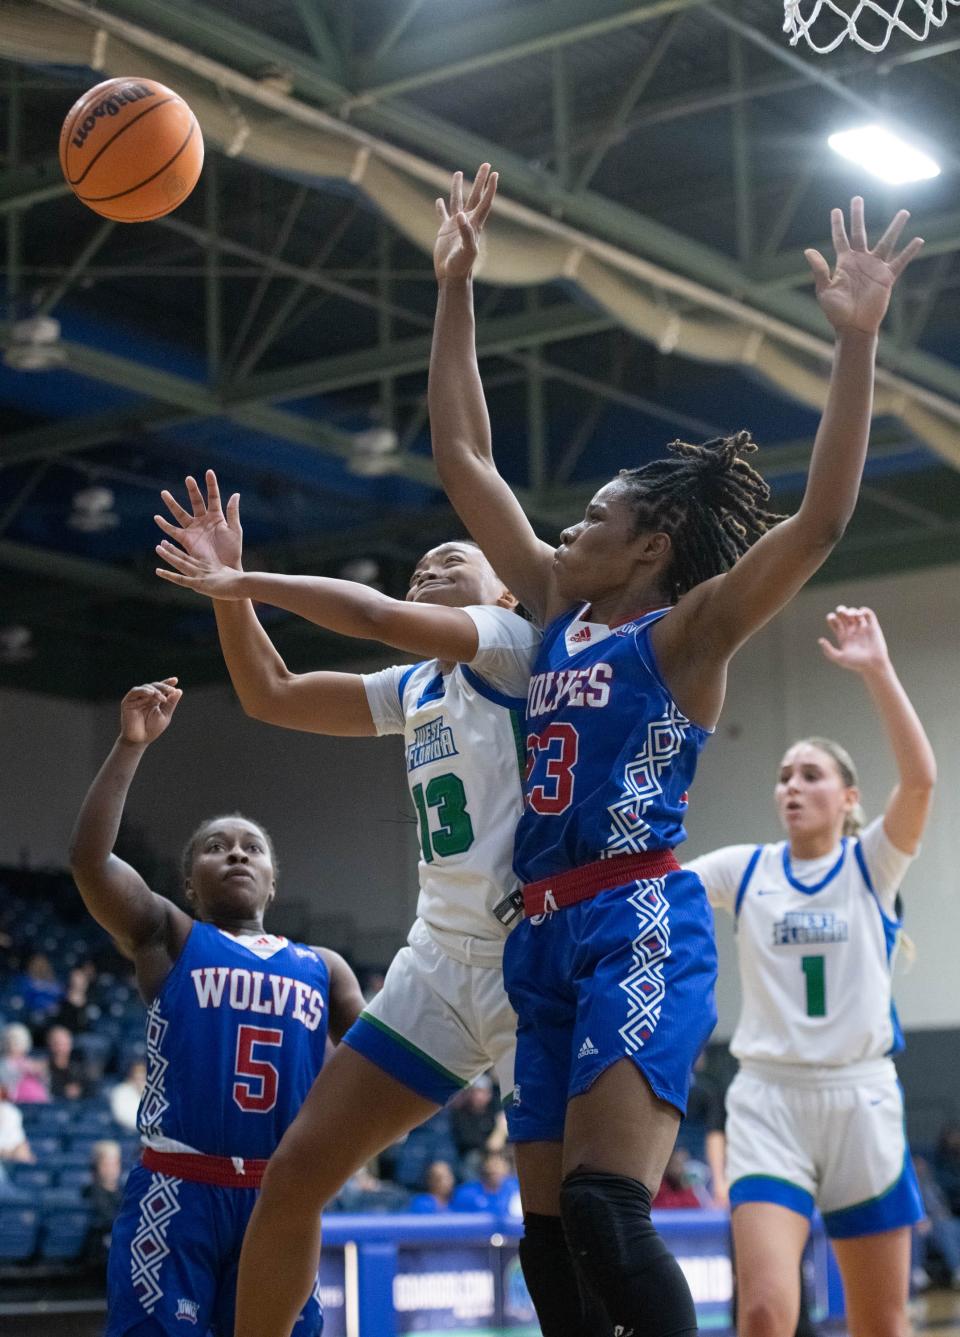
[
  {"x": 74, "y": 1177},
  {"x": 81, "y": 1145},
  {"x": 65, "y": 1233},
  {"x": 19, "y": 1227},
  {"x": 54, "y": 1200},
  {"x": 28, "y": 1178},
  {"x": 430, "y": 1142},
  {"x": 45, "y": 1147}
]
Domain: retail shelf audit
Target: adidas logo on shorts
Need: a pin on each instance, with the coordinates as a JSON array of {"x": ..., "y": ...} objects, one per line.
[{"x": 587, "y": 1048}]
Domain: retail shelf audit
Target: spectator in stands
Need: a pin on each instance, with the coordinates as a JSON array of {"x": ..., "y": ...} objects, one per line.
[
  {"x": 73, "y": 1010},
  {"x": 103, "y": 1195},
  {"x": 704, "y": 1129},
  {"x": 497, "y": 1189},
  {"x": 439, "y": 1183},
  {"x": 68, "y": 1076},
  {"x": 676, "y": 1188},
  {"x": 24, "y": 1077},
  {"x": 13, "y": 1140},
  {"x": 946, "y": 1165},
  {"x": 39, "y": 987},
  {"x": 939, "y": 1228},
  {"x": 475, "y": 1122},
  {"x": 125, "y": 1096}
]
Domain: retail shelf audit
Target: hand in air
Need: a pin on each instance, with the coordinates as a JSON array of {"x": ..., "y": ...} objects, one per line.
[
  {"x": 211, "y": 541},
  {"x": 147, "y": 710},
  {"x": 857, "y": 294},
  {"x": 458, "y": 240},
  {"x": 860, "y": 643}
]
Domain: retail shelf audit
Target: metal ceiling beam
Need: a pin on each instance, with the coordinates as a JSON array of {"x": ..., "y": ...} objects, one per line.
[
  {"x": 31, "y": 183},
  {"x": 80, "y": 571},
  {"x": 452, "y": 50},
  {"x": 552, "y": 324},
  {"x": 941, "y": 235},
  {"x": 496, "y": 336},
  {"x": 591, "y": 213}
]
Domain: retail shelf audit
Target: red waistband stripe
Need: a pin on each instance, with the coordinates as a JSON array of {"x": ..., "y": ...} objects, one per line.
[
  {"x": 222, "y": 1171},
  {"x": 579, "y": 884}
]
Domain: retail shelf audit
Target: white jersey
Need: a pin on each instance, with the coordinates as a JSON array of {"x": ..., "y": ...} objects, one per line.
[
  {"x": 465, "y": 758},
  {"x": 816, "y": 940}
]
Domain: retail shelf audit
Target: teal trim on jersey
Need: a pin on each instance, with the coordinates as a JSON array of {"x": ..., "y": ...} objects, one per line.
[
  {"x": 516, "y": 724},
  {"x": 407, "y": 1044},
  {"x": 824, "y": 881},
  {"x": 745, "y": 881},
  {"x": 491, "y": 693},
  {"x": 897, "y": 1206},
  {"x": 771, "y": 1188}
]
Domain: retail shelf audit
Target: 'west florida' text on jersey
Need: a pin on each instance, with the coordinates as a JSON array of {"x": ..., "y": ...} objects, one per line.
[
  {"x": 235, "y": 1039},
  {"x": 610, "y": 756}
]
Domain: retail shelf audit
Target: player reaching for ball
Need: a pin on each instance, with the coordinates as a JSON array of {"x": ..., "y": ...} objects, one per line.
[
  {"x": 237, "y": 1024},
  {"x": 645, "y": 602},
  {"x": 442, "y": 1016},
  {"x": 815, "y": 1114}
]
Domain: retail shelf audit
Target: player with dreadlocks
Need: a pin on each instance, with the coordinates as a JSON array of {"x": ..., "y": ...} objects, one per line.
[{"x": 674, "y": 566}]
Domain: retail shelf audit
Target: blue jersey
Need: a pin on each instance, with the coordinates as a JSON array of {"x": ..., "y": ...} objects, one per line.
[
  {"x": 235, "y": 1039},
  {"x": 610, "y": 756}
]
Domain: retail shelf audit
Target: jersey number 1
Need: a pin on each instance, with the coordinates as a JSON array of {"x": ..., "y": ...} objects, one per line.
[
  {"x": 814, "y": 970},
  {"x": 455, "y": 833}
]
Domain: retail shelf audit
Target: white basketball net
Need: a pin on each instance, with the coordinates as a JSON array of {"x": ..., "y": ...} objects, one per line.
[{"x": 880, "y": 20}]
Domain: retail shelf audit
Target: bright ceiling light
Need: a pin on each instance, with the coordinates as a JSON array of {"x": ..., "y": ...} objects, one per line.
[{"x": 884, "y": 154}]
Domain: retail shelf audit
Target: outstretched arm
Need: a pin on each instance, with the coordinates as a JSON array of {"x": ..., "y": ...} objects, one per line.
[
  {"x": 146, "y": 926},
  {"x": 327, "y": 703},
  {"x": 728, "y": 609},
  {"x": 459, "y": 423},
  {"x": 862, "y": 649}
]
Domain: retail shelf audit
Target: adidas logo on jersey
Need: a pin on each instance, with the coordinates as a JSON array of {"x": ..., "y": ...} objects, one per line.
[
  {"x": 584, "y": 634},
  {"x": 587, "y": 1048}
]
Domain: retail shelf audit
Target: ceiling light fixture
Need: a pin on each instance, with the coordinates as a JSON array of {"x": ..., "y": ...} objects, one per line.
[{"x": 882, "y": 153}]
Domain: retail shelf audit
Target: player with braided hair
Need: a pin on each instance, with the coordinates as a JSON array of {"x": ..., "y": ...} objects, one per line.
[
  {"x": 710, "y": 500},
  {"x": 644, "y": 604}
]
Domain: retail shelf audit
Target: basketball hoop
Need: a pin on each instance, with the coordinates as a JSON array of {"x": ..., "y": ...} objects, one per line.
[{"x": 869, "y": 23}]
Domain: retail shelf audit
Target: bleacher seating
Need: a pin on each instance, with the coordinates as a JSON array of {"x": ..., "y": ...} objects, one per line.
[{"x": 19, "y": 1231}]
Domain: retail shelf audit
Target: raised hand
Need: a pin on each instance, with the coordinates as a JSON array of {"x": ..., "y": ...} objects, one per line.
[
  {"x": 857, "y": 294},
  {"x": 208, "y": 534},
  {"x": 458, "y": 240},
  {"x": 201, "y": 570},
  {"x": 860, "y": 644},
  {"x": 147, "y": 710}
]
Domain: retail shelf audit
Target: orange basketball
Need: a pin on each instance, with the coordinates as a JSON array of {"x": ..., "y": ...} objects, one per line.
[{"x": 131, "y": 150}]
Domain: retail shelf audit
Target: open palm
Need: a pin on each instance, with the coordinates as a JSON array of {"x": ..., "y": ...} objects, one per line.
[
  {"x": 458, "y": 239},
  {"x": 208, "y": 534},
  {"x": 856, "y": 295},
  {"x": 860, "y": 644}
]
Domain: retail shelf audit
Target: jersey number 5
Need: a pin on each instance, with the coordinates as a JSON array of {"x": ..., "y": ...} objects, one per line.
[
  {"x": 560, "y": 746},
  {"x": 258, "y": 1093}
]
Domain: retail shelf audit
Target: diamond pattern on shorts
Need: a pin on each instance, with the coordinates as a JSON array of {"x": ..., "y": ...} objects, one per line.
[
  {"x": 149, "y": 1247},
  {"x": 644, "y": 985}
]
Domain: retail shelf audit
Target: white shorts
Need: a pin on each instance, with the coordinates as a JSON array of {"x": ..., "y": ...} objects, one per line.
[
  {"x": 830, "y": 1139},
  {"x": 438, "y": 1023}
]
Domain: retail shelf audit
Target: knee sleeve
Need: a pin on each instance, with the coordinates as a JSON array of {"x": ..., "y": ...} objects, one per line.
[
  {"x": 606, "y": 1220},
  {"x": 564, "y": 1305}
]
